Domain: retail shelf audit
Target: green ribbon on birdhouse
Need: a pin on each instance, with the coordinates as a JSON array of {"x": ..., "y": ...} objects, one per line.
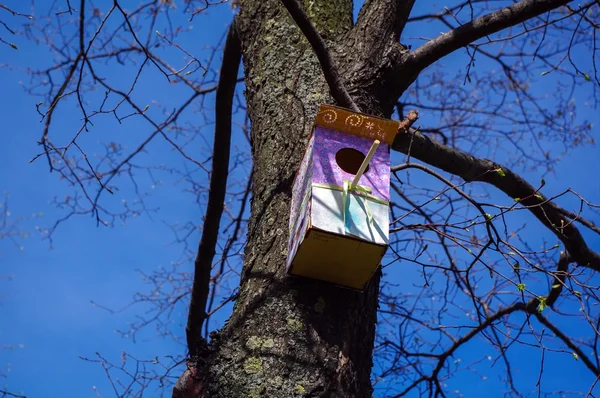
[{"x": 364, "y": 192}]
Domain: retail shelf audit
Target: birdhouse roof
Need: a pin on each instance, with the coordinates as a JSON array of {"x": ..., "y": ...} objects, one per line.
[{"x": 358, "y": 124}]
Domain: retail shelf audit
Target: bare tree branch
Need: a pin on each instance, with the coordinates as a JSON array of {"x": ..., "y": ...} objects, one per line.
[
  {"x": 569, "y": 342},
  {"x": 473, "y": 169},
  {"x": 560, "y": 275},
  {"x": 485, "y": 25},
  {"x": 330, "y": 71},
  {"x": 576, "y": 217},
  {"x": 10, "y": 394},
  {"x": 530, "y": 307},
  {"x": 218, "y": 185}
]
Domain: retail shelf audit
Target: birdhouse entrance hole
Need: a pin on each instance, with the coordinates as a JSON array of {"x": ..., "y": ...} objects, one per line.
[{"x": 349, "y": 160}]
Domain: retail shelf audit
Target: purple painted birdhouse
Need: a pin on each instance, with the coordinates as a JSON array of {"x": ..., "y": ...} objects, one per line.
[{"x": 339, "y": 221}]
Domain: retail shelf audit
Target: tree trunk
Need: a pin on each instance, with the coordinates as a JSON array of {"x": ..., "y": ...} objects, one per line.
[{"x": 287, "y": 336}]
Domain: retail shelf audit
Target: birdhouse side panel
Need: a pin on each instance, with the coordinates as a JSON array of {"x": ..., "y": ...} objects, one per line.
[
  {"x": 300, "y": 230},
  {"x": 327, "y": 146},
  {"x": 300, "y": 205},
  {"x": 301, "y": 184}
]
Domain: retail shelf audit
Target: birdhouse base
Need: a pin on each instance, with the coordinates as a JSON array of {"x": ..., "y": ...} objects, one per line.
[{"x": 353, "y": 265}]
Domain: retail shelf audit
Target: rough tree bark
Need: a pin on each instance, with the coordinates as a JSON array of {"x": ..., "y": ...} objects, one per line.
[{"x": 288, "y": 336}]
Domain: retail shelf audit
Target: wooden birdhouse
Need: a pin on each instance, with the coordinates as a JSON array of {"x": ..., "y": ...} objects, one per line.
[{"x": 339, "y": 221}]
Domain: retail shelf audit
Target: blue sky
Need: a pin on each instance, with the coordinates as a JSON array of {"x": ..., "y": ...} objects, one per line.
[{"x": 46, "y": 308}]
